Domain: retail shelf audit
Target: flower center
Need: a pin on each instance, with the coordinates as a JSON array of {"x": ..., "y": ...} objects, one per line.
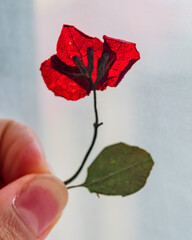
[
  {"x": 87, "y": 71},
  {"x": 101, "y": 68}
]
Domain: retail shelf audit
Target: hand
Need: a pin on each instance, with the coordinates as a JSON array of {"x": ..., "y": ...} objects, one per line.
[{"x": 31, "y": 198}]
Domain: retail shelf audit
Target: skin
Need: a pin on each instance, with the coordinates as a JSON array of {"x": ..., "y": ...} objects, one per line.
[{"x": 22, "y": 161}]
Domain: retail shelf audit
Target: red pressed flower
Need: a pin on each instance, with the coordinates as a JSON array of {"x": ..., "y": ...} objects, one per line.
[{"x": 84, "y": 63}]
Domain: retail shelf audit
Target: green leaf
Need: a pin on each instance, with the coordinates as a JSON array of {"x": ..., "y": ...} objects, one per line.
[{"x": 119, "y": 169}]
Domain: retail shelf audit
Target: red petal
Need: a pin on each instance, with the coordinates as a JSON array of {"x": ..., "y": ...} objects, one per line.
[
  {"x": 126, "y": 55},
  {"x": 73, "y": 42},
  {"x": 60, "y": 84},
  {"x": 70, "y": 80}
]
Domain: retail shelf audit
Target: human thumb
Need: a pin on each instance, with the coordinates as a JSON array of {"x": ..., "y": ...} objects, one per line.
[{"x": 30, "y": 206}]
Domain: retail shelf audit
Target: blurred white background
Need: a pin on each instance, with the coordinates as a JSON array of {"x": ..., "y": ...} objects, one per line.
[{"x": 150, "y": 108}]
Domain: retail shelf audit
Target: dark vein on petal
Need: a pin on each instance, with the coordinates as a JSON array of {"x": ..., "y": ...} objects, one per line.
[
  {"x": 76, "y": 46},
  {"x": 119, "y": 47},
  {"x": 82, "y": 44}
]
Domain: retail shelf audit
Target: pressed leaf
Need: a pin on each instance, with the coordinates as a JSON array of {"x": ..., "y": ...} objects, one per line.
[{"x": 119, "y": 169}]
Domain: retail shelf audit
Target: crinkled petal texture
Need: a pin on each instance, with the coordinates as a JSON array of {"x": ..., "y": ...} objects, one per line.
[
  {"x": 123, "y": 55},
  {"x": 62, "y": 75},
  {"x": 60, "y": 84},
  {"x": 72, "y": 42}
]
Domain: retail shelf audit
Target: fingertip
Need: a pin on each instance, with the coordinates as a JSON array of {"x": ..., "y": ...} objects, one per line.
[
  {"x": 41, "y": 203},
  {"x": 31, "y": 205}
]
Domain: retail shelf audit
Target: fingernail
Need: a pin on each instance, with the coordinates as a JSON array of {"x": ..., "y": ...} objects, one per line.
[{"x": 40, "y": 203}]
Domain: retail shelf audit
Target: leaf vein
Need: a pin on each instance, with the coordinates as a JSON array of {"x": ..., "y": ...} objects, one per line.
[{"x": 114, "y": 173}]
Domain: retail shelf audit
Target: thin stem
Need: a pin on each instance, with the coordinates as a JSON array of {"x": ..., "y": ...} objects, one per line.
[
  {"x": 96, "y": 125},
  {"x": 75, "y": 186}
]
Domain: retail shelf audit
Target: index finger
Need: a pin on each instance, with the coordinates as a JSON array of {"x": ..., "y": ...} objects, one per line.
[{"x": 20, "y": 152}]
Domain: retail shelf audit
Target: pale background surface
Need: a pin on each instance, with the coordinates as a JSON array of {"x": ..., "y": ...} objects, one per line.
[{"x": 151, "y": 108}]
